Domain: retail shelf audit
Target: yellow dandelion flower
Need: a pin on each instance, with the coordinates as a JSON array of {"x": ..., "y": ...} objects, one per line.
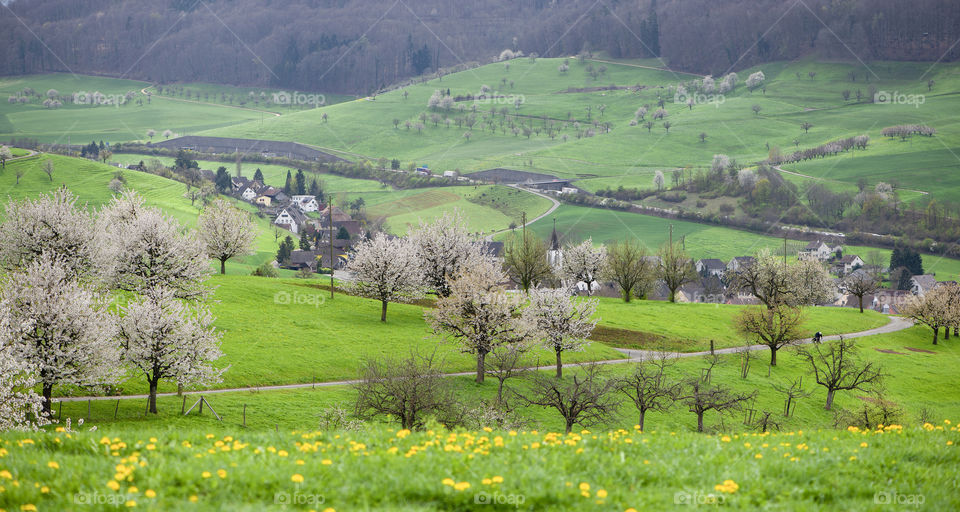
[
  {"x": 448, "y": 481},
  {"x": 130, "y": 504},
  {"x": 758, "y": 456},
  {"x": 297, "y": 478},
  {"x": 462, "y": 486},
  {"x": 601, "y": 493},
  {"x": 113, "y": 485},
  {"x": 497, "y": 479},
  {"x": 631, "y": 509},
  {"x": 194, "y": 498},
  {"x": 329, "y": 509},
  {"x": 53, "y": 464},
  {"x": 863, "y": 445},
  {"x": 205, "y": 474},
  {"x": 150, "y": 493},
  {"x": 585, "y": 494},
  {"x": 6, "y": 474},
  {"x": 151, "y": 447},
  {"x": 29, "y": 507},
  {"x": 300, "y": 462},
  {"x": 326, "y": 462},
  {"x": 584, "y": 486},
  {"x": 132, "y": 490},
  {"x": 222, "y": 473},
  {"x": 853, "y": 457}
]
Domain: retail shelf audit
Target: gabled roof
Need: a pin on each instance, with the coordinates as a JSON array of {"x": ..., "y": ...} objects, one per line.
[
  {"x": 849, "y": 258},
  {"x": 925, "y": 281},
  {"x": 295, "y": 214},
  {"x": 712, "y": 263},
  {"x": 814, "y": 245}
]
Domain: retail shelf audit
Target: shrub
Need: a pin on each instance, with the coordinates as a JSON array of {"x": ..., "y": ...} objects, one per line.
[{"x": 265, "y": 270}]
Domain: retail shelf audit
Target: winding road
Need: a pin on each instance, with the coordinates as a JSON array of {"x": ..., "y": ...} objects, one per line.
[
  {"x": 553, "y": 207},
  {"x": 895, "y": 324}
]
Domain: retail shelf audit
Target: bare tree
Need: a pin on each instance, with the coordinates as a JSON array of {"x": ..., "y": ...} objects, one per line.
[
  {"x": 226, "y": 232},
  {"x": 407, "y": 389},
  {"x": 478, "y": 314},
  {"x": 793, "y": 393},
  {"x": 386, "y": 269},
  {"x": 836, "y": 368},
  {"x": 700, "y": 397},
  {"x": 583, "y": 263},
  {"x": 61, "y": 328},
  {"x": 506, "y": 362},
  {"x": 166, "y": 339},
  {"x": 48, "y": 168},
  {"x": 585, "y": 399},
  {"x": 806, "y": 127},
  {"x": 563, "y": 323},
  {"x": 675, "y": 268},
  {"x": 629, "y": 267},
  {"x": 862, "y": 282},
  {"x": 775, "y": 328},
  {"x": 648, "y": 388},
  {"x": 525, "y": 257}
]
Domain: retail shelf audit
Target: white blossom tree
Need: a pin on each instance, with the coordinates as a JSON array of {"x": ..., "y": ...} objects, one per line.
[
  {"x": 386, "y": 269},
  {"x": 443, "y": 248},
  {"x": 562, "y": 322},
  {"x": 755, "y": 80},
  {"x": 5, "y": 154},
  {"x": 57, "y": 325},
  {"x": 51, "y": 224},
  {"x": 226, "y": 231},
  {"x": 167, "y": 339},
  {"x": 20, "y": 407},
  {"x": 583, "y": 262},
  {"x": 776, "y": 283},
  {"x": 142, "y": 250},
  {"x": 479, "y": 315}
]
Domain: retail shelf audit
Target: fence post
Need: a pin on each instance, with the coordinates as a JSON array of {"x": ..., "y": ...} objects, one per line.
[
  {"x": 711, "y": 347},
  {"x": 244, "y": 415},
  {"x": 88, "y": 409},
  {"x": 117, "y": 409}
]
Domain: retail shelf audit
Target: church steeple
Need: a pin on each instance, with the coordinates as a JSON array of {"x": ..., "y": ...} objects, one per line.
[{"x": 554, "y": 239}]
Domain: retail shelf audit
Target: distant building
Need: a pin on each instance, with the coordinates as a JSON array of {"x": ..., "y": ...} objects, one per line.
[
  {"x": 306, "y": 203},
  {"x": 739, "y": 263},
  {"x": 711, "y": 267},
  {"x": 291, "y": 218},
  {"x": 815, "y": 250}
]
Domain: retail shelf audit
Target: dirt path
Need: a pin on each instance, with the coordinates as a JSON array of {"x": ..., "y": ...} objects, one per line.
[
  {"x": 807, "y": 176},
  {"x": 895, "y": 324},
  {"x": 31, "y": 153}
]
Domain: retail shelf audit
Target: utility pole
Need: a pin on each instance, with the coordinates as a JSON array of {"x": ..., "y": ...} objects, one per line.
[
  {"x": 330, "y": 235},
  {"x": 784, "y": 249}
]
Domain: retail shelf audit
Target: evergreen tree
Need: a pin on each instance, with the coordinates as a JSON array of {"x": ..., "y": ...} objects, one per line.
[
  {"x": 343, "y": 234},
  {"x": 316, "y": 189},
  {"x": 258, "y": 175},
  {"x": 305, "y": 241},
  {"x": 223, "y": 181},
  {"x": 288, "y": 186},
  {"x": 286, "y": 247},
  {"x": 301, "y": 182}
]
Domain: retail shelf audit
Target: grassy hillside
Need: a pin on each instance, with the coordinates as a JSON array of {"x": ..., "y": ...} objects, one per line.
[
  {"x": 89, "y": 181},
  {"x": 439, "y": 470}
]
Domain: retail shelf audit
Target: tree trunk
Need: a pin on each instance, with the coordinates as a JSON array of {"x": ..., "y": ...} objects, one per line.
[
  {"x": 569, "y": 425},
  {"x": 699, "y": 422},
  {"x": 153, "y": 395},
  {"x": 936, "y": 334},
  {"x": 481, "y": 368},
  {"x": 861, "y": 303},
  {"x": 627, "y": 295},
  {"x": 383, "y": 311},
  {"x": 673, "y": 296},
  {"x": 47, "y": 393},
  {"x": 829, "y": 399},
  {"x": 559, "y": 365},
  {"x": 773, "y": 356},
  {"x": 946, "y": 332},
  {"x": 640, "y": 423},
  {"x": 223, "y": 266}
]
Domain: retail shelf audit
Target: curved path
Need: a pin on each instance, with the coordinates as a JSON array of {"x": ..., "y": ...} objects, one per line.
[
  {"x": 31, "y": 153},
  {"x": 807, "y": 176},
  {"x": 895, "y": 324},
  {"x": 555, "y": 204}
]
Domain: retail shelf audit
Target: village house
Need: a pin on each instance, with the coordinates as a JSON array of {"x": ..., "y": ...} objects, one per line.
[
  {"x": 920, "y": 285},
  {"x": 292, "y": 219},
  {"x": 711, "y": 267},
  {"x": 848, "y": 263},
  {"x": 306, "y": 203},
  {"x": 816, "y": 250},
  {"x": 739, "y": 263}
]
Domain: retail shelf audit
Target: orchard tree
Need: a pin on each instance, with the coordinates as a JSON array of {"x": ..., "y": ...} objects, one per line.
[
  {"x": 675, "y": 268},
  {"x": 585, "y": 399},
  {"x": 659, "y": 180},
  {"x": 837, "y": 368},
  {"x": 444, "y": 247},
  {"x": 151, "y": 133},
  {"x": 525, "y": 257},
  {"x": 5, "y": 154},
  {"x": 776, "y": 283},
  {"x": 775, "y": 328},
  {"x": 386, "y": 269},
  {"x": 226, "y": 232},
  {"x": 700, "y": 397},
  {"x": 20, "y": 407},
  {"x": 479, "y": 315},
  {"x": 583, "y": 263},
  {"x": 936, "y": 308},
  {"x": 52, "y": 225},
  {"x": 58, "y": 326},
  {"x": 166, "y": 339},
  {"x": 143, "y": 250},
  {"x": 562, "y": 323},
  {"x": 862, "y": 282},
  {"x": 48, "y": 169},
  {"x": 648, "y": 387},
  {"x": 407, "y": 390},
  {"x": 629, "y": 266}
]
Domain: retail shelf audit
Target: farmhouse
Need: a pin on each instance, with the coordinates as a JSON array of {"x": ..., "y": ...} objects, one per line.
[
  {"x": 848, "y": 263},
  {"x": 711, "y": 267},
  {"x": 739, "y": 263},
  {"x": 291, "y": 218},
  {"x": 306, "y": 203},
  {"x": 920, "y": 285}
]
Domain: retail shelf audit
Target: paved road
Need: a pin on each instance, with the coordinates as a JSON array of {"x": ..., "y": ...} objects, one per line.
[
  {"x": 555, "y": 204},
  {"x": 21, "y": 157},
  {"x": 895, "y": 324}
]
